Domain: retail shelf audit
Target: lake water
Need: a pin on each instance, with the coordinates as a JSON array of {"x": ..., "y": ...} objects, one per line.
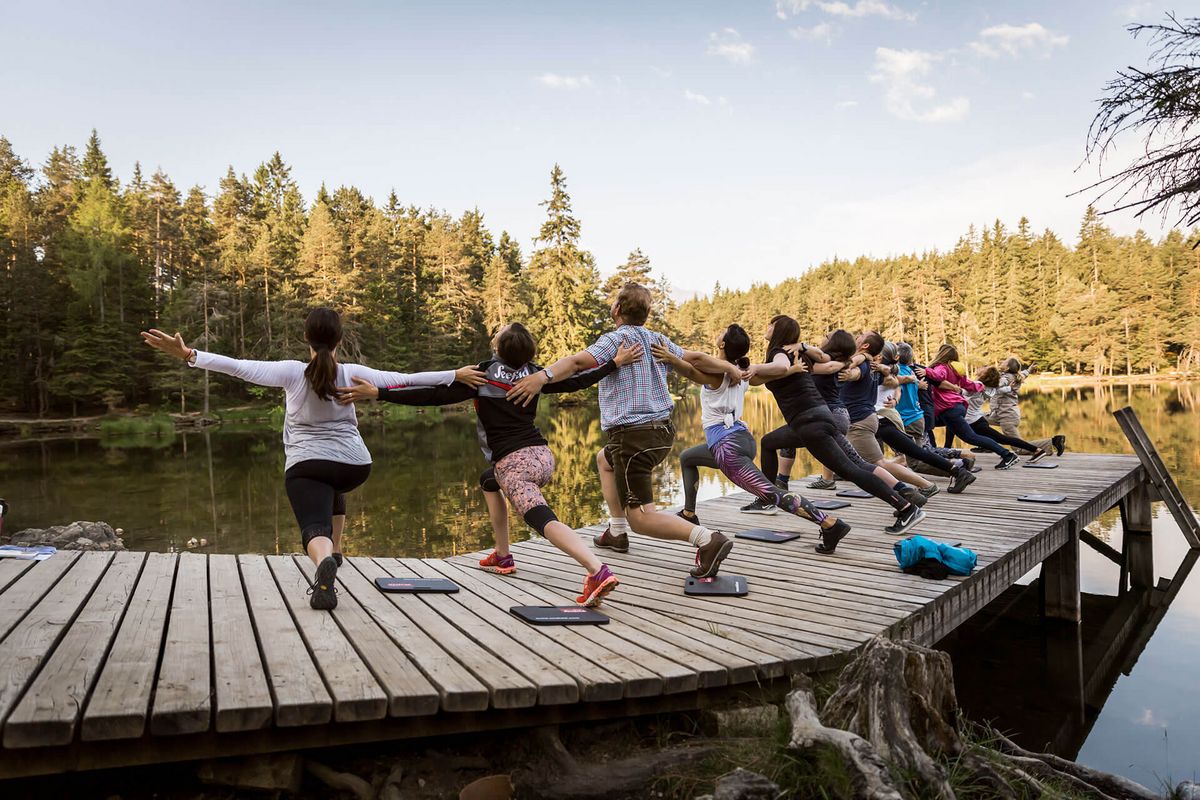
[{"x": 225, "y": 486}]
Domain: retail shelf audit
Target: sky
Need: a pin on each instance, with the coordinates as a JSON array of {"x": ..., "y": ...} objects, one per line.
[{"x": 734, "y": 142}]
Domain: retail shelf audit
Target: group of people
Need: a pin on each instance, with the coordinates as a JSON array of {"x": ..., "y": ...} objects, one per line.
[{"x": 843, "y": 401}]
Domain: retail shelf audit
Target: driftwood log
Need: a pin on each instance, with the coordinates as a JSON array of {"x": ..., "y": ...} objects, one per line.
[{"x": 894, "y": 720}]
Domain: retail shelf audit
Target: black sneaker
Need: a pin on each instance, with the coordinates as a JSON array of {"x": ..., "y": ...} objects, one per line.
[
  {"x": 609, "y": 541},
  {"x": 1037, "y": 456},
  {"x": 783, "y": 484},
  {"x": 905, "y": 519},
  {"x": 688, "y": 516},
  {"x": 961, "y": 478},
  {"x": 1010, "y": 458},
  {"x": 1060, "y": 444},
  {"x": 831, "y": 536},
  {"x": 911, "y": 494},
  {"x": 760, "y": 506},
  {"x": 709, "y": 557},
  {"x": 980, "y": 450},
  {"x": 323, "y": 592},
  {"x": 929, "y": 491},
  {"x": 338, "y": 558}
]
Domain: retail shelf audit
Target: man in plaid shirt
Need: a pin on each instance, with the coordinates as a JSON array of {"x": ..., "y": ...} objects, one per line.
[{"x": 635, "y": 412}]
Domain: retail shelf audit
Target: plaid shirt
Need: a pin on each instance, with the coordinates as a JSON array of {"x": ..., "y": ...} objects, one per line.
[{"x": 637, "y": 393}]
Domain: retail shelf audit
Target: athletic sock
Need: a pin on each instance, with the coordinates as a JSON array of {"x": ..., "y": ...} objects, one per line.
[
  {"x": 619, "y": 526},
  {"x": 783, "y": 476},
  {"x": 699, "y": 536}
]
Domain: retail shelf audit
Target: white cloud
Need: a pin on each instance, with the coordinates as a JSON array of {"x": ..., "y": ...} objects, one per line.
[
  {"x": 555, "y": 81},
  {"x": 694, "y": 97},
  {"x": 1017, "y": 40},
  {"x": 1027, "y": 95},
  {"x": 728, "y": 44},
  {"x": 840, "y": 8},
  {"x": 842, "y": 105},
  {"x": 821, "y": 32},
  {"x": 906, "y": 95},
  {"x": 660, "y": 72},
  {"x": 1135, "y": 11}
]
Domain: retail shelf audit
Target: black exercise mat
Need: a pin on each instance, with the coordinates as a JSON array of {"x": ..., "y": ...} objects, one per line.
[
  {"x": 765, "y": 535},
  {"x": 852, "y": 493},
  {"x": 1041, "y": 465},
  {"x": 1042, "y": 498},
  {"x": 829, "y": 505},
  {"x": 559, "y": 615},
  {"x": 416, "y": 585},
  {"x": 719, "y": 586}
]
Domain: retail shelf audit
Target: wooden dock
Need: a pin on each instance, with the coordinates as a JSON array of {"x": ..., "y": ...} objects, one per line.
[{"x": 133, "y": 658}]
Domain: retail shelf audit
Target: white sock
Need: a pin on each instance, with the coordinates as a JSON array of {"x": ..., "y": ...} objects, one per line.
[
  {"x": 619, "y": 526},
  {"x": 699, "y": 536}
]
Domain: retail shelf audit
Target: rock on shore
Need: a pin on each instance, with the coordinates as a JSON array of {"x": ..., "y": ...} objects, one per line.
[{"x": 76, "y": 536}]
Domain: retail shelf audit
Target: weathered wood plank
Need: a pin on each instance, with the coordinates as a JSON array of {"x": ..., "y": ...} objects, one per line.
[
  {"x": 24, "y": 651},
  {"x": 356, "y": 693},
  {"x": 183, "y": 691},
  {"x": 51, "y": 706},
  {"x": 300, "y": 695},
  {"x": 410, "y": 693},
  {"x": 33, "y": 584},
  {"x": 121, "y": 700},
  {"x": 11, "y": 569},
  {"x": 243, "y": 699}
]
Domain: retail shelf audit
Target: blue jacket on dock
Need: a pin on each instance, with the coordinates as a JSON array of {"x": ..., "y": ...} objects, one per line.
[{"x": 912, "y": 551}]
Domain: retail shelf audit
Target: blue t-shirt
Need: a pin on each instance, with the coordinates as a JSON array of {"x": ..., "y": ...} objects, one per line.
[
  {"x": 859, "y": 396},
  {"x": 909, "y": 404}
]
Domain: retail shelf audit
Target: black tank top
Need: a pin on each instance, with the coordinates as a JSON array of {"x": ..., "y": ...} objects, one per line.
[{"x": 796, "y": 394}]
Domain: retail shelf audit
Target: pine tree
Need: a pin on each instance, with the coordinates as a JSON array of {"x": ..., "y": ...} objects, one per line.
[{"x": 95, "y": 163}]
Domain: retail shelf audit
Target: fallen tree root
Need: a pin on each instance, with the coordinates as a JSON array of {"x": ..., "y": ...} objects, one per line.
[{"x": 1113, "y": 786}]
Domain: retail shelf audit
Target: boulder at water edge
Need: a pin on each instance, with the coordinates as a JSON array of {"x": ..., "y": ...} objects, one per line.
[{"x": 76, "y": 536}]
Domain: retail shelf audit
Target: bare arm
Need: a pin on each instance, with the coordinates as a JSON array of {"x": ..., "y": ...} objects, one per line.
[
  {"x": 529, "y": 387},
  {"x": 713, "y": 365},
  {"x": 759, "y": 374},
  {"x": 685, "y": 367}
]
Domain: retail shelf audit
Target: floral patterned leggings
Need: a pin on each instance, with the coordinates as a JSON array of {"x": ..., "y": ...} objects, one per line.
[{"x": 522, "y": 474}]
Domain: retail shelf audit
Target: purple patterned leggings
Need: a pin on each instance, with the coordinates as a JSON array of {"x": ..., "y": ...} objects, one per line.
[{"x": 734, "y": 456}]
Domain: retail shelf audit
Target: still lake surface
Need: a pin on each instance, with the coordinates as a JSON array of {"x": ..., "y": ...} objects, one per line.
[{"x": 225, "y": 486}]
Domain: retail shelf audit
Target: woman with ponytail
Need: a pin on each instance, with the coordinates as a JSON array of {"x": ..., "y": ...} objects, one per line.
[
  {"x": 729, "y": 446},
  {"x": 325, "y": 454}
]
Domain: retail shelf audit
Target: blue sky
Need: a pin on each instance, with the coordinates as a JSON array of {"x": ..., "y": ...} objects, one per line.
[{"x": 738, "y": 141}]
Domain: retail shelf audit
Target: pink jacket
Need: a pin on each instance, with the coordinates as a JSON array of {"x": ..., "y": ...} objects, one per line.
[{"x": 942, "y": 398}]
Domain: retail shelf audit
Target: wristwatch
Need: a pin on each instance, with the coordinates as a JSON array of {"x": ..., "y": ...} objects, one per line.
[{"x": 549, "y": 375}]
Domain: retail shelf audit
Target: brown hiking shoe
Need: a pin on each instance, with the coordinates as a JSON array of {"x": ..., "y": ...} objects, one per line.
[
  {"x": 609, "y": 541},
  {"x": 709, "y": 557}
]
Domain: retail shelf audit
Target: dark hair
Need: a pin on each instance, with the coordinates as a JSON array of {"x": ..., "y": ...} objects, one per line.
[
  {"x": 736, "y": 345},
  {"x": 515, "y": 345},
  {"x": 839, "y": 345},
  {"x": 1012, "y": 365},
  {"x": 634, "y": 301},
  {"x": 945, "y": 354},
  {"x": 874, "y": 343},
  {"x": 989, "y": 377},
  {"x": 786, "y": 331},
  {"x": 323, "y": 332}
]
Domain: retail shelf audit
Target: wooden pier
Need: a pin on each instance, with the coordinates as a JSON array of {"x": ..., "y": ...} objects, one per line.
[{"x": 134, "y": 658}]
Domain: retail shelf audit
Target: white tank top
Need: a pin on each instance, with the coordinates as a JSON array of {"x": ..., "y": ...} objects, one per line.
[{"x": 722, "y": 406}]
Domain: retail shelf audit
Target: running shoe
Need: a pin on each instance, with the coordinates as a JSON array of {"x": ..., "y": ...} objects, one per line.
[
  {"x": 610, "y": 541},
  {"x": 911, "y": 494},
  {"x": 1060, "y": 444},
  {"x": 831, "y": 536},
  {"x": 783, "y": 484},
  {"x": 501, "y": 565},
  {"x": 337, "y": 557},
  {"x": 760, "y": 506},
  {"x": 1010, "y": 458},
  {"x": 710, "y": 556},
  {"x": 323, "y": 593},
  {"x": 595, "y": 587},
  {"x": 961, "y": 478},
  {"x": 929, "y": 491},
  {"x": 688, "y": 516},
  {"x": 905, "y": 519},
  {"x": 821, "y": 483},
  {"x": 1037, "y": 456}
]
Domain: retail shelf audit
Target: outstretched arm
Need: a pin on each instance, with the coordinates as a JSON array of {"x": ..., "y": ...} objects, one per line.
[
  {"x": 626, "y": 354},
  {"x": 364, "y": 390},
  {"x": 712, "y": 365},
  {"x": 779, "y": 366},
  {"x": 277, "y": 374},
  {"x": 686, "y": 368},
  {"x": 530, "y": 386}
]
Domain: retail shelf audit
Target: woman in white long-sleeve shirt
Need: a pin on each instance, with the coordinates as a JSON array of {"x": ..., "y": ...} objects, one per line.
[{"x": 326, "y": 455}]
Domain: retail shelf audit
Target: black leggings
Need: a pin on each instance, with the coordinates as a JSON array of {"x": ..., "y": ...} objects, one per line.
[
  {"x": 822, "y": 440},
  {"x": 955, "y": 420},
  {"x": 982, "y": 427},
  {"x": 317, "y": 491},
  {"x": 902, "y": 443}
]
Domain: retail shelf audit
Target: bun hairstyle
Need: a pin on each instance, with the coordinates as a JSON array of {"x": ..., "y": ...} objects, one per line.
[
  {"x": 515, "y": 345},
  {"x": 323, "y": 332},
  {"x": 840, "y": 345},
  {"x": 785, "y": 331},
  {"x": 736, "y": 344},
  {"x": 889, "y": 352}
]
